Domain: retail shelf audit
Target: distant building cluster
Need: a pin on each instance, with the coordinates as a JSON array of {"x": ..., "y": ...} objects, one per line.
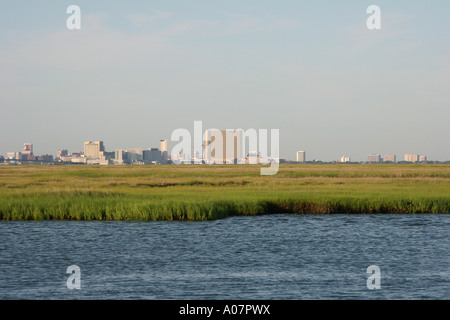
[
  {"x": 374, "y": 158},
  {"x": 228, "y": 150},
  {"x": 95, "y": 153},
  {"x": 345, "y": 159},
  {"x": 26, "y": 154},
  {"x": 415, "y": 158}
]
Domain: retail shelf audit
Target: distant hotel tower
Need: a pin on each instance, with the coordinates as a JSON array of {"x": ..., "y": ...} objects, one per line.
[
  {"x": 301, "y": 157},
  {"x": 223, "y": 146},
  {"x": 373, "y": 158},
  {"x": 411, "y": 157},
  {"x": 27, "y": 152},
  {"x": 93, "y": 150},
  {"x": 163, "y": 149},
  {"x": 345, "y": 159},
  {"x": 390, "y": 158}
]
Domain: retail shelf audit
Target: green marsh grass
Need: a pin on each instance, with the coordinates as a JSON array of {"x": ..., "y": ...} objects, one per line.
[{"x": 192, "y": 192}]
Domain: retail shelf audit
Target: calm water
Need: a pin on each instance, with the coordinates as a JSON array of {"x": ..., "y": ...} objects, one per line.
[{"x": 264, "y": 257}]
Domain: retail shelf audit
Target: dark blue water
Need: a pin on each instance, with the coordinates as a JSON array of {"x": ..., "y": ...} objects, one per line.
[{"x": 264, "y": 257}]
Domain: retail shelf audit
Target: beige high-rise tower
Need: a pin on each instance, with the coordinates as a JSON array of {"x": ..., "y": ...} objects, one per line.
[
  {"x": 223, "y": 146},
  {"x": 27, "y": 151},
  {"x": 390, "y": 158},
  {"x": 163, "y": 149},
  {"x": 93, "y": 150},
  {"x": 301, "y": 156},
  {"x": 410, "y": 157}
]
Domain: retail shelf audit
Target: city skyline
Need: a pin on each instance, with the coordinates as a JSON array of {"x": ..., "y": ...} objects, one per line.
[
  {"x": 239, "y": 148},
  {"x": 138, "y": 70}
]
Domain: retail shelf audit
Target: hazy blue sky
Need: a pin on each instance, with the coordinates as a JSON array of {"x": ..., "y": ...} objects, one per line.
[{"x": 137, "y": 70}]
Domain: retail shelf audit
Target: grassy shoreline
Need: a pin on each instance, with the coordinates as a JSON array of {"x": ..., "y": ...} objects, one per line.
[{"x": 188, "y": 192}]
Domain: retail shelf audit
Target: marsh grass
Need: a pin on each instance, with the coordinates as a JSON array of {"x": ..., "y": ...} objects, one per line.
[{"x": 189, "y": 192}]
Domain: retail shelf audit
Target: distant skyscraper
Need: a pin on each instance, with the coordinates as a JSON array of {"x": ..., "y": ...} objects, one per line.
[
  {"x": 93, "y": 150},
  {"x": 345, "y": 159},
  {"x": 223, "y": 146},
  {"x": 422, "y": 159},
  {"x": 301, "y": 156},
  {"x": 27, "y": 152},
  {"x": 390, "y": 158},
  {"x": 28, "y": 147},
  {"x": 409, "y": 157},
  {"x": 119, "y": 156},
  {"x": 373, "y": 158},
  {"x": 164, "y": 153}
]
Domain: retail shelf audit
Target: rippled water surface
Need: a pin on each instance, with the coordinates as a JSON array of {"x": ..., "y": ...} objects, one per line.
[{"x": 261, "y": 257}]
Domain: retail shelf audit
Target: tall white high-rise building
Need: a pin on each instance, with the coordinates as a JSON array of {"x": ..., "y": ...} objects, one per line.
[
  {"x": 164, "y": 153},
  {"x": 301, "y": 156},
  {"x": 120, "y": 156},
  {"x": 345, "y": 159}
]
